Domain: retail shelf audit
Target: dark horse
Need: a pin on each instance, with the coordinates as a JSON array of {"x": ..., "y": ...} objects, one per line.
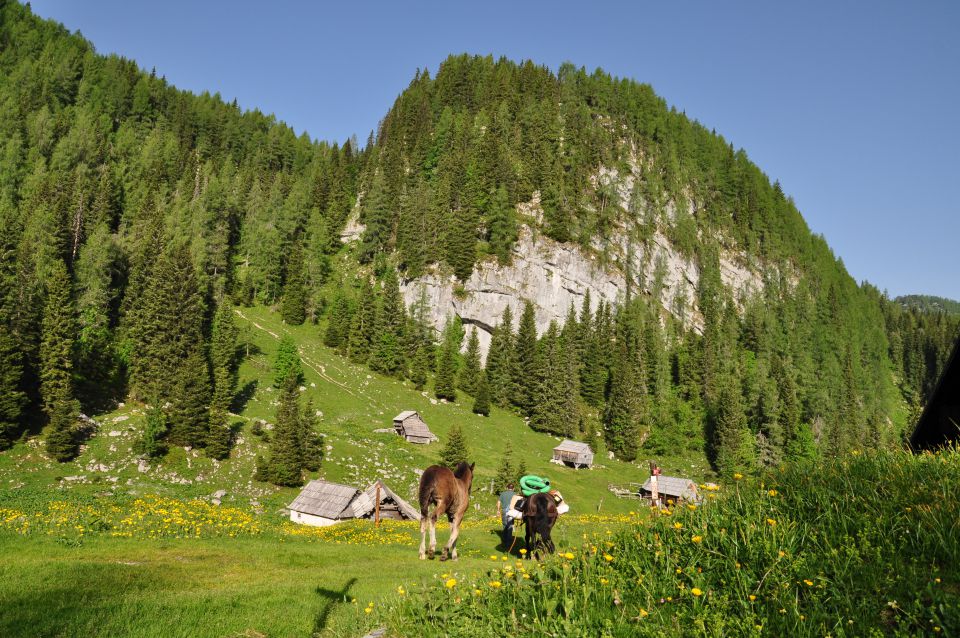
[
  {"x": 450, "y": 493},
  {"x": 539, "y": 515}
]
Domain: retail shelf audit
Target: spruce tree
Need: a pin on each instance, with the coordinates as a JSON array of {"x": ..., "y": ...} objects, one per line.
[
  {"x": 624, "y": 414},
  {"x": 220, "y": 435},
  {"x": 151, "y": 443},
  {"x": 189, "y": 402},
  {"x": 223, "y": 356},
  {"x": 506, "y": 473},
  {"x": 503, "y": 225},
  {"x": 731, "y": 442},
  {"x": 287, "y": 361},
  {"x": 525, "y": 373},
  {"x": 363, "y": 326},
  {"x": 294, "y": 306},
  {"x": 311, "y": 441},
  {"x": 454, "y": 451},
  {"x": 337, "y": 335},
  {"x": 469, "y": 379},
  {"x": 444, "y": 385},
  {"x": 12, "y": 399},
  {"x": 418, "y": 370},
  {"x": 482, "y": 403},
  {"x": 501, "y": 361},
  {"x": 388, "y": 356},
  {"x": 284, "y": 466},
  {"x": 56, "y": 361}
]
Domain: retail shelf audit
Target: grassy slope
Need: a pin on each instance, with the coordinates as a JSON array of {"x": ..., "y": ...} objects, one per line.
[{"x": 266, "y": 584}]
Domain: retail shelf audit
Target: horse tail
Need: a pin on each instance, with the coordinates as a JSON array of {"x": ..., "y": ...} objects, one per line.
[{"x": 428, "y": 492}]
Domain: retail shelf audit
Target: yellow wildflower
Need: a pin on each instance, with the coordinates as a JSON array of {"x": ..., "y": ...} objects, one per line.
[
  {"x": 752, "y": 597},
  {"x": 523, "y": 551},
  {"x": 495, "y": 584},
  {"x": 697, "y": 539},
  {"x": 677, "y": 525},
  {"x": 771, "y": 492},
  {"x": 696, "y": 591},
  {"x": 737, "y": 476},
  {"x": 771, "y": 522},
  {"x": 568, "y": 556},
  {"x": 450, "y": 584},
  {"x": 644, "y": 613},
  {"x": 603, "y": 581},
  {"x": 808, "y": 582},
  {"x": 608, "y": 558}
]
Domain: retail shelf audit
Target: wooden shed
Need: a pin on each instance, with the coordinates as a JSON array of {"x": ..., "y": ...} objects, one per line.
[
  {"x": 573, "y": 453},
  {"x": 410, "y": 426},
  {"x": 391, "y": 506},
  {"x": 939, "y": 424},
  {"x": 322, "y": 503},
  {"x": 672, "y": 487}
]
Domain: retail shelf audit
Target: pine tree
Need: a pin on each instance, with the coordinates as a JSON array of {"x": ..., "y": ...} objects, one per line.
[
  {"x": 469, "y": 379},
  {"x": 223, "y": 356},
  {"x": 525, "y": 377},
  {"x": 388, "y": 356},
  {"x": 363, "y": 326},
  {"x": 732, "y": 444},
  {"x": 503, "y": 225},
  {"x": 501, "y": 361},
  {"x": 220, "y": 435},
  {"x": 548, "y": 410},
  {"x": 286, "y": 449},
  {"x": 189, "y": 402},
  {"x": 455, "y": 450},
  {"x": 444, "y": 385},
  {"x": 287, "y": 361},
  {"x": 311, "y": 441},
  {"x": 294, "y": 306},
  {"x": 624, "y": 415},
  {"x": 337, "y": 335},
  {"x": 151, "y": 444},
  {"x": 521, "y": 470},
  {"x": 482, "y": 403},
  {"x": 12, "y": 399},
  {"x": 56, "y": 361},
  {"x": 418, "y": 370},
  {"x": 506, "y": 471}
]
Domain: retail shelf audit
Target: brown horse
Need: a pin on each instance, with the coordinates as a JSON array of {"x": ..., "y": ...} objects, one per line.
[
  {"x": 450, "y": 493},
  {"x": 539, "y": 515}
]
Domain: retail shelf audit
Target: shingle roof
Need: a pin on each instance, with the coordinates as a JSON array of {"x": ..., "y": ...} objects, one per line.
[
  {"x": 674, "y": 486},
  {"x": 321, "y": 498},
  {"x": 574, "y": 446},
  {"x": 366, "y": 501},
  {"x": 405, "y": 414},
  {"x": 417, "y": 428}
]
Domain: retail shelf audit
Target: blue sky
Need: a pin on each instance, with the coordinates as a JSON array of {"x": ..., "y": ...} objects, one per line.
[{"x": 852, "y": 106}]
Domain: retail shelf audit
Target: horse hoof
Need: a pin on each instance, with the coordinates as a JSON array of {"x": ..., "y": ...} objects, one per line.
[
  {"x": 423, "y": 556},
  {"x": 443, "y": 557}
]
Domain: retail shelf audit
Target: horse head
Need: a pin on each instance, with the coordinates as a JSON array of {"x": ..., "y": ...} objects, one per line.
[{"x": 464, "y": 473}]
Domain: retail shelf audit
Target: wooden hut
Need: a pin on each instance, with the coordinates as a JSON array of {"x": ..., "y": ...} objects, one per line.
[
  {"x": 411, "y": 427},
  {"x": 939, "y": 424},
  {"x": 573, "y": 453},
  {"x": 391, "y": 506},
  {"x": 672, "y": 487},
  {"x": 322, "y": 503}
]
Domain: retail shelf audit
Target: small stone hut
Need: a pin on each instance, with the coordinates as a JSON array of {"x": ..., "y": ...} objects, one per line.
[
  {"x": 672, "y": 487},
  {"x": 411, "y": 427},
  {"x": 323, "y": 503},
  {"x": 573, "y": 453}
]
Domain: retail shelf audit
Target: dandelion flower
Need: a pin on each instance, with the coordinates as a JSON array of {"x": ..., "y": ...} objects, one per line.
[
  {"x": 808, "y": 582},
  {"x": 608, "y": 558},
  {"x": 677, "y": 525},
  {"x": 696, "y": 591},
  {"x": 495, "y": 584},
  {"x": 604, "y": 581},
  {"x": 752, "y": 597},
  {"x": 697, "y": 539},
  {"x": 492, "y": 557},
  {"x": 367, "y": 610},
  {"x": 771, "y": 492},
  {"x": 644, "y": 613},
  {"x": 771, "y": 522},
  {"x": 737, "y": 476},
  {"x": 568, "y": 555},
  {"x": 523, "y": 551},
  {"x": 450, "y": 584}
]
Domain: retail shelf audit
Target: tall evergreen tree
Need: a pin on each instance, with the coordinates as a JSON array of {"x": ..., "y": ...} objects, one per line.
[
  {"x": 285, "y": 464},
  {"x": 12, "y": 399},
  {"x": 56, "y": 358},
  {"x": 731, "y": 442},
  {"x": 501, "y": 361},
  {"x": 388, "y": 355},
  {"x": 444, "y": 385},
  {"x": 525, "y": 378},
  {"x": 294, "y": 306},
  {"x": 469, "y": 379},
  {"x": 363, "y": 328},
  {"x": 506, "y": 472},
  {"x": 288, "y": 359},
  {"x": 481, "y": 405},
  {"x": 311, "y": 441},
  {"x": 455, "y": 449},
  {"x": 223, "y": 356}
]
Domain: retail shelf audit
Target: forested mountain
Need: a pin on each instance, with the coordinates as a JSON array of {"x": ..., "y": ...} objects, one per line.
[
  {"x": 134, "y": 214},
  {"x": 929, "y": 303}
]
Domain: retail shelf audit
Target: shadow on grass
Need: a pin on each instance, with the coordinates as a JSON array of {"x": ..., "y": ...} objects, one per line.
[
  {"x": 243, "y": 396},
  {"x": 333, "y": 597}
]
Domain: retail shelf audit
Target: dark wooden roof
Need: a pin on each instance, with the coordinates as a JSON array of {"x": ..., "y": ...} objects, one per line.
[
  {"x": 940, "y": 422},
  {"x": 366, "y": 501}
]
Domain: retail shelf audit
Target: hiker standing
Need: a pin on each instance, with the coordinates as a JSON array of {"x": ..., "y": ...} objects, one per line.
[{"x": 504, "y": 504}]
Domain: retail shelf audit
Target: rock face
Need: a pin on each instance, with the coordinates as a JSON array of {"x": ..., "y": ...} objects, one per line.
[{"x": 553, "y": 276}]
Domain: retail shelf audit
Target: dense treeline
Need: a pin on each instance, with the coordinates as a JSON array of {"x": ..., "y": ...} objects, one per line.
[
  {"x": 132, "y": 215},
  {"x": 929, "y": 303}
]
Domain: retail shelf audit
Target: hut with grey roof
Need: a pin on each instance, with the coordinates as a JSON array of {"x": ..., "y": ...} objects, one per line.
[
  {"x": 672, "y": 488},
  {"x": 573, "y": 453},
  {"x": 411, "y": 427},
  {"x": 323, "y": 503}
]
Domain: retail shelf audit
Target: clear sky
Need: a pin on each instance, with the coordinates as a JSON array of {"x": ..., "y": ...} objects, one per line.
[{"x": 853, "y": 106}]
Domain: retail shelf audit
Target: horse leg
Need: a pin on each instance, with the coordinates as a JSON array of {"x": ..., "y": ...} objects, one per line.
[
  {"x": 423, "y": 534},
  {"x": 528, "y": 537},
  {"x": 451, "y": 547},
  {"x": 433, "y": 530}
]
